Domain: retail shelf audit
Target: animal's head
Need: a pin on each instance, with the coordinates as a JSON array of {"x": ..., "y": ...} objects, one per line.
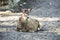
[{"x": 26, "y": 11}]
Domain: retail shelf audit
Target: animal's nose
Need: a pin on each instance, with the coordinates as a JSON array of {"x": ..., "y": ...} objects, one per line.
[{"x": 27, "y": 17}]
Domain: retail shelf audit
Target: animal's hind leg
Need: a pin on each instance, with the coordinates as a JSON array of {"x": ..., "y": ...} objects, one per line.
[{"x": 19, "y": 29}]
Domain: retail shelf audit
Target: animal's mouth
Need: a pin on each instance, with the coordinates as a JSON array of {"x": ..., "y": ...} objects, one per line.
[{"x": 4, "y": 2}]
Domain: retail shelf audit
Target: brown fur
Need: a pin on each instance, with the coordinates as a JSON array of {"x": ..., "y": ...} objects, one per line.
[{"x": 28, "y": 25}]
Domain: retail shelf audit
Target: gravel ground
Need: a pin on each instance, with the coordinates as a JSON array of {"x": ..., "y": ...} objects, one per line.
[
  {"x": 50, "y": 30},
  {"x": 29, "y": 36}
]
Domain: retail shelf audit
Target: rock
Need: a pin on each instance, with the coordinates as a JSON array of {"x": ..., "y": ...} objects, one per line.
[
  {"x": 29, "y": 25},
  {"x": 4, "y": 2},
  {"x": 8, "y": 4}
]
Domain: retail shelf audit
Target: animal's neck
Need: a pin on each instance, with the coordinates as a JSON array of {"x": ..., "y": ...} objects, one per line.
[{"x": 24, "y": 17}]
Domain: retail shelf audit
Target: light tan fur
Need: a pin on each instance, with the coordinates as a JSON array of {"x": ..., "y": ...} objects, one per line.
[{"x": 27, "y": 25}]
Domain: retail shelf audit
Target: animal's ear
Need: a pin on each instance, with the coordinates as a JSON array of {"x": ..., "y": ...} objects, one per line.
[
  {"x": 24, "y": 10},
  {"x": 29, "y": 10}
]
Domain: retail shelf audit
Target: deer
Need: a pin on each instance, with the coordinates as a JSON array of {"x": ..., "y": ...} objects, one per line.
[{"x": 26, "y": 24}]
